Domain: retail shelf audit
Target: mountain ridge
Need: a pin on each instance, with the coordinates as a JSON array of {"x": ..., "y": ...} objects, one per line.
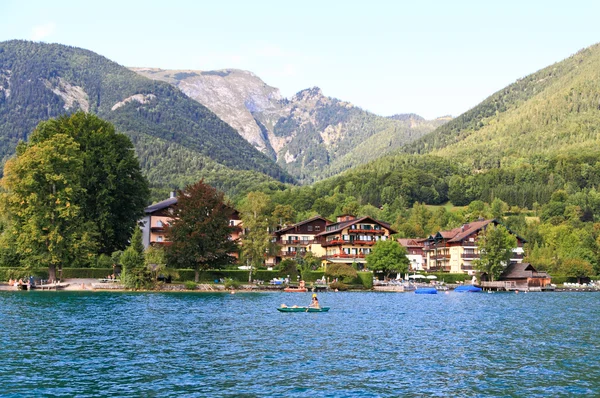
[
  {"x": 40, "y": 81},
  {"x": 310, "y": 135}
]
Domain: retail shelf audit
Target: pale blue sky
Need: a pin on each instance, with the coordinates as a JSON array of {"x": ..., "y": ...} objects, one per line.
[{"x": 428, "y": 57}]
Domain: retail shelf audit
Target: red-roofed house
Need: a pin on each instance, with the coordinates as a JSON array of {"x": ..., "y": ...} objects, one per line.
[
  {"x": 415, "y": 253},
  {"x": 454, "y": 251},
  {"x": 349, "y": 239},
  {"x": 298, "y": 239}
]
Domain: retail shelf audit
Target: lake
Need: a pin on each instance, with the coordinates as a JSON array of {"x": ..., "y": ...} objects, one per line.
[{"x": 370, "y": 344}]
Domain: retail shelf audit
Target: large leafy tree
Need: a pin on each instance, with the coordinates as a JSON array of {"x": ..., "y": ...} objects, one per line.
[
  {"x": 43, "y": 202},
  {"x": 388, "y": 256},
  {"x": 114, "y": 190},
  {"x": 495, "y": 247},
  {"x": 200, "y": 232}
]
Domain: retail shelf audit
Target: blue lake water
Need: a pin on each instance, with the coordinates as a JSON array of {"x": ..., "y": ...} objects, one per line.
[{"x": 369, "y": 344}]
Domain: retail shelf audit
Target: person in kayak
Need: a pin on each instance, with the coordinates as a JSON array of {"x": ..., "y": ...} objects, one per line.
[{"x": 315, "y": 302}]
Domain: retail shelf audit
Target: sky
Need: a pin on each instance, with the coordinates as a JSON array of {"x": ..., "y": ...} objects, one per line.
[{"x": 432, "y": 58}]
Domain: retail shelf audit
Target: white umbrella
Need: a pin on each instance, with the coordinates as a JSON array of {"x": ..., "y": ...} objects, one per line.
[
  {"x": 431, "y": 277},
  {"x": 418, "y": 276}
]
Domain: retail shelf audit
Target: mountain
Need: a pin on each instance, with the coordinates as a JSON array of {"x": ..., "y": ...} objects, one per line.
[
  {"x": 552, "y": 111},
  {"x": 309, "y": 135},
  {"x": 177, "y": 139}
]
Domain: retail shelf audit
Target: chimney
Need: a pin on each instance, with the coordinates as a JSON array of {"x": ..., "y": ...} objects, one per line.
[{"x": 173, "y": 194}]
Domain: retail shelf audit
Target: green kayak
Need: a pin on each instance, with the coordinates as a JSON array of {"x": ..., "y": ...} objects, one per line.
[{"x": 302, "y": 309}]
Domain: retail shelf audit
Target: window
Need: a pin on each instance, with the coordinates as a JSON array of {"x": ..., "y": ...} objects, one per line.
[
  {"x": 231, "y": 223},
  {"x": 159, "y": 223},
  {"x": 317, "y": 227},
  {"x": 310, "y": 228},
  {"x": 159, "y": 238}
]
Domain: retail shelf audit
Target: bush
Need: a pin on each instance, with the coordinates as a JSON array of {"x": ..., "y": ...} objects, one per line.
[
  {"x": 341, "y": 271},
  {"x": 190, "y": 285},
  {"x": 341, "y": 286},
  {"x": 231, "y": 284},
  {"x": 451, "y": 278},
  {"x": 366, "y": 278}
]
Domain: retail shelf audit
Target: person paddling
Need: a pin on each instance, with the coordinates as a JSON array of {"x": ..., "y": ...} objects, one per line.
[{"x": 315, "y": 302}]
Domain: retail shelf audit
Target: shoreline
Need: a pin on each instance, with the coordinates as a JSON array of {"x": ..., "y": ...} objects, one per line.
[{"x": 94, "y": 285}]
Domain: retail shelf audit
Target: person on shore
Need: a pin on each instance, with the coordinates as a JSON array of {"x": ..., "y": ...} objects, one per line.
[{"x": 315, "y": 302}]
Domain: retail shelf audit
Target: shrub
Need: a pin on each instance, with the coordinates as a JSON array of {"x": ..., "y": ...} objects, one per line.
[
  {"x": 341, "y": 286},
  {"x": 95, "y": 273},
  {"x": 366, "y": 278},
  {"x": 190, "y": 285},
  {"x": 311, "y": 276},
  {"x": 231, "y": 284},
  {"x": 341, "y": 271}
]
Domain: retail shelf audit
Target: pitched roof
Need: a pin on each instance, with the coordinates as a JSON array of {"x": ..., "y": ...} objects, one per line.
[
  {"x": 520, "y": 271},
  {"x": 466, "y": 230},
  {"x": 282, "y": 230},
  {"x": 411, "y": 242},
  {"x": 161, "y": 205},
  {"x": 344, "y": 224}
]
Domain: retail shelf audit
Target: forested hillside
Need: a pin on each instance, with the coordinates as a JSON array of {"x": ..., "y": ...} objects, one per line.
[
  {"x": 40, "y": 81},
  {"x": 310, "y": 135},
  {"x": 555, "y": 110}
]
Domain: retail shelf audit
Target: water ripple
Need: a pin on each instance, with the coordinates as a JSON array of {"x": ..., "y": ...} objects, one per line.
[{"x": 368, "y": 345}]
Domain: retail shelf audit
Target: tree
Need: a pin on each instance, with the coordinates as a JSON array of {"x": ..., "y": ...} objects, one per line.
[
  {"x": 200, "y": 233},
  {"x": 114, "y": 190},
  {"x": 577, "y": 268},
  {"x": 388, "y": 256},
  {"x": 495, "y": 247},
  {"x": 135, "y": 273},
  {"x": 498, "y": 208},
  {"x": 42, "y": 200},
  {"x": 256, "y": 241}
]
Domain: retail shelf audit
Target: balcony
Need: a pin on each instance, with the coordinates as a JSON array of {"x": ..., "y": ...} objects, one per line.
[
  {"x": 346, "y": 255},
  {"x": 335, "y": 242},
  {"x": 295, "y": 242},
  {"x": 470, "y": 256},
  {"x": 363, "y": 242},
  {"x": 291, "y": 254},
  {"x": 366, "y": 231}
]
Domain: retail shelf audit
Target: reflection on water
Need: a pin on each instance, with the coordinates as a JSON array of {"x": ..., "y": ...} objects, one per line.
[{"x": 369, "y": 344}]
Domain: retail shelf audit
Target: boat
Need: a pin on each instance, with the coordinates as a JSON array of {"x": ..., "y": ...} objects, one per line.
[
  {"x": 302, "y": 309},
  {"x": 49, "y": 286},
  {"x": 295, "y": 290},
  {"x": 426, "y": 290},
  {"x": 467, "y": 289}
]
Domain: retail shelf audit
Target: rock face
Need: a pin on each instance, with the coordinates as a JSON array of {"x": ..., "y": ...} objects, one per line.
[{"x": 310, "y": 135}]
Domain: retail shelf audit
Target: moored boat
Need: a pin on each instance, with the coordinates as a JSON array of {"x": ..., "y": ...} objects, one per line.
[
  {"x": 295, "y": 290},
  {"x": 467, "y": 289},
  {"x": 426, "y": 290},
  {"x": 302, "y": 309}
]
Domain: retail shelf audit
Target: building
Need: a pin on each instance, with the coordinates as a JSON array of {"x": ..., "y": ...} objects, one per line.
[
  {"x": 156, "y": 217},
  {"x": 518, "y": 276},
  {"x": 415, "y": 253},
  {"x": 299, "y": 239},
  {"x": 455, "y": 250},
  {"x": 159, "y": 215},
  {"x": 349, "y": 240}
]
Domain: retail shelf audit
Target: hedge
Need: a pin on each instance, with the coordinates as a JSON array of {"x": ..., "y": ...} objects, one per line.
[
  {"x": 312, "y": 276},
  {"x": 451, "y": 278},
  {"x": 22, "y": 273},
  {"x": 366, "y": 278},
  {"x": 95, "y": 273},
  {"x": 235, "y": 274}
]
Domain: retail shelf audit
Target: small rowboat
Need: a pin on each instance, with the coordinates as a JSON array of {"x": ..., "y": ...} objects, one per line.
[
  {"x": 295, "y": 290},
  {"x": 302, "y": 309}
]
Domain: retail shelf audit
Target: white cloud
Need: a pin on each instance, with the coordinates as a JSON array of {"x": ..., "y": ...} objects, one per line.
[{"x": 40, "y": 32}]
